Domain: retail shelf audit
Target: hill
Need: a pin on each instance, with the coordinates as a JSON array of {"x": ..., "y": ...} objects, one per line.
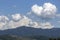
[{"x": 28, "y": 31}]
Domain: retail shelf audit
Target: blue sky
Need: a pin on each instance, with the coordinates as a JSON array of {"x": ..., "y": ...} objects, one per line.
[
  {"x": 23, "y": 6},
  {"x": 9, "y": 7}
]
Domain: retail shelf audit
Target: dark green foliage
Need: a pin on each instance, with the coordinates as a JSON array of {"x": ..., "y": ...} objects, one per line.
[
  {"x": 58, "y": 38},
  {"x": 52, "y": 38},
  {"x": 13, "y": 37}
]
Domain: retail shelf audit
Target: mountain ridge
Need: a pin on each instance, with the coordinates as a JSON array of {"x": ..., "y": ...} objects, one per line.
[{"x": 29, "y": 31}]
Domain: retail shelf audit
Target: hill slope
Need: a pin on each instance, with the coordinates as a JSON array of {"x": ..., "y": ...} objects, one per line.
[{"x": 28, "y": 31}]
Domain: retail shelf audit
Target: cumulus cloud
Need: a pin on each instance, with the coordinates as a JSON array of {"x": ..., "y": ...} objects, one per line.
[
  {"x": 1, "y": 25},
  {"x": 34, "y": 24},
  {"x": 37, "y": 9},
  {"x": 47, "y": 25},
  {"x": 16, "y": 17},
  {"x": 5, "y": 23},
  {"x": 3, "y": 18},
  {"x": 48, "y": 10},
  {"x": 22, "y": 22}
]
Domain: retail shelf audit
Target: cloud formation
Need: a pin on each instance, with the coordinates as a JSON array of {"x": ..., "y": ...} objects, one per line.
[
  {"x": 47, "y": 25},
  {"x": 4, "y": 18},
  {"x": 16, "y": 17},
  {"x": 22, "y": 20},
  {"x": 3, "y": 21},
  {"x": 48, "y": 10},
  {"x": 37, "y": 9}
]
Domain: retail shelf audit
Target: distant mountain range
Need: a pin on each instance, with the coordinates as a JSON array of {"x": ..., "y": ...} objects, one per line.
[{"x": 28, "y": 31}]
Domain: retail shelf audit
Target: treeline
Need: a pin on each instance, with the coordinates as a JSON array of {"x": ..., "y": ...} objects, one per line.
[
  {"x": 13, "y": 37},
  {"x": 54, "y": 38}
]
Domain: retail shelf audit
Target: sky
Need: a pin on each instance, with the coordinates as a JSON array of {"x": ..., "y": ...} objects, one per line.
[{"x": 43, "y": 14}]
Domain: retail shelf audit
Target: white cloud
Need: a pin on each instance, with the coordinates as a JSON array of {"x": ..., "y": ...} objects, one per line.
[
  {"x": 37, "y": 9},
  {"x": 1, "y": 25},
  {"x": 3, "y": 18},
  {"x": 16, "y": 17},
  {"x": 24, "y": 21},
  {"x": 35, "y": 24},
  {"x": 47, "y": 25},
  {"x": 5, "y": 23},
  {"x": 48, "y": 10}
]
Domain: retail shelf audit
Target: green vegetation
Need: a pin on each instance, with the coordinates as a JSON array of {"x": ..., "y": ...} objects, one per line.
[
  {"x": 54, "y": 38},
  {"x": 13, "y": 37}
]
